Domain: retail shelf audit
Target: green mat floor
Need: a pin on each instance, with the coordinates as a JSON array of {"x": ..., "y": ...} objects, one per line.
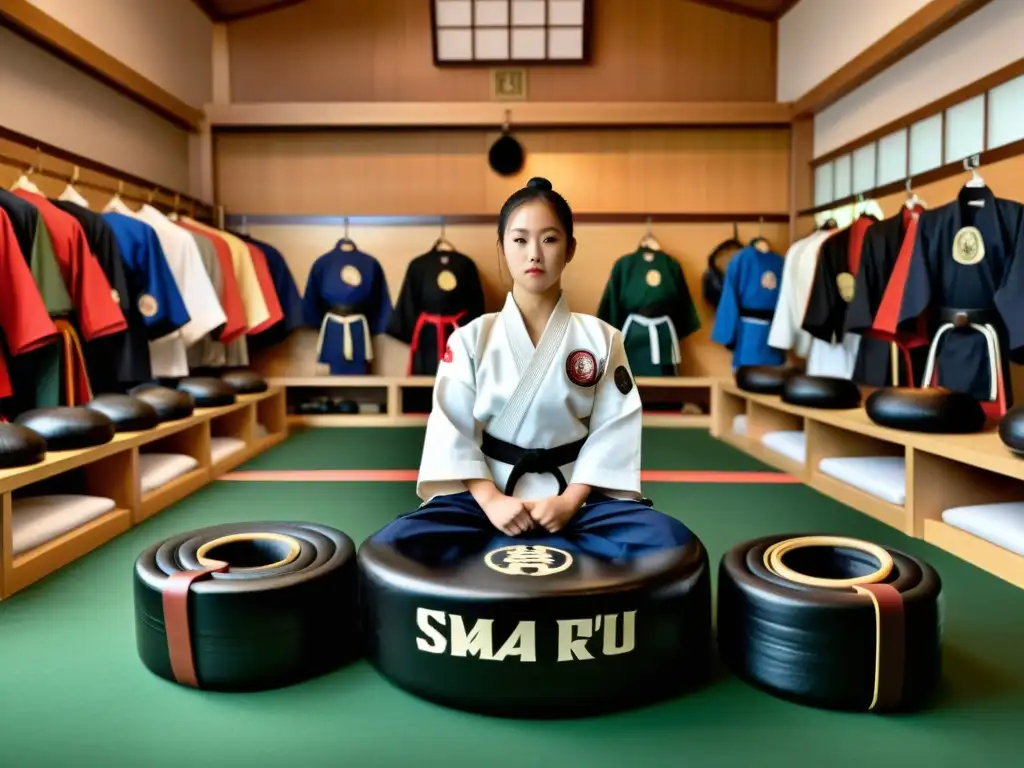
[{"x": 73, "y": 693}]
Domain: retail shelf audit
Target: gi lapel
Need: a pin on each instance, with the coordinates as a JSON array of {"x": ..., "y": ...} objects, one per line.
[{"x": 532, "y": 363}]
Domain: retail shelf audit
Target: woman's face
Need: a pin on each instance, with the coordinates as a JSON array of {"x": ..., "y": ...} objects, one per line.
[{"x": 536, "y": 248}]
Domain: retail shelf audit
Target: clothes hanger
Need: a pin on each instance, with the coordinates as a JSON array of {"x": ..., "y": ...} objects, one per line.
[
  {"x": 116, "y": 204},
  {"x": 913, "y": 201},
  {"x": 346, "y": 243},
  {"x": 759, "y": 241},
  {"x": 442, "y": 243},
  {"x": 23, "y": 180},
  {"x": 70, "y": 194},
  {"x": 649, "y": 241},
  {"x": 971, "y": 164}
]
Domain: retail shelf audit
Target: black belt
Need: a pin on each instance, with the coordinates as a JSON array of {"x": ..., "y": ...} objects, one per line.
[
  {"x": 344, "y": 310},
  {"x": 538, "y": 461},
  {"x": 961, "y": 318},
  {"x": 758, "y": 314},
  {"x": 659, "y": 309}
]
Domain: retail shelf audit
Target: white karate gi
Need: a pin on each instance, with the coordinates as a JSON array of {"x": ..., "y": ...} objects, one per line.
[{"x": 496, "y": 381}]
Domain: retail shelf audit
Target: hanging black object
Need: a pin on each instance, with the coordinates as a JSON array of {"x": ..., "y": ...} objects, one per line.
[
  {"x": 506, "y": 154},
  {"x": 714, "y": 276}
]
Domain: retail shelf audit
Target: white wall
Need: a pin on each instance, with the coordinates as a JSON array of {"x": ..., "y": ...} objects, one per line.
[
  {"x": 57, "y": 104},
  {"x": 982, "y": 43},
  {"x": 817, "y": 37},
  {"x": 166, "y": 41}
]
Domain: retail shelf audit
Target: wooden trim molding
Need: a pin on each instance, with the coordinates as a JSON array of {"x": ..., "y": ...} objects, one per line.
[
  {"x": 250, "y": 219},
  {"x": 929, "y": 22},
  {"x": 42, "y": 29},
  {"x": 269, "y": 116}
]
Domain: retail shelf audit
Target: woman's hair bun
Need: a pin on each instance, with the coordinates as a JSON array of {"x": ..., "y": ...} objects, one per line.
[{"x": 539, "y": 182}]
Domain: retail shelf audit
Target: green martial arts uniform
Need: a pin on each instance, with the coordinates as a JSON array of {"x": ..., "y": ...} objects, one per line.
[{"x": 647, "y": 298}]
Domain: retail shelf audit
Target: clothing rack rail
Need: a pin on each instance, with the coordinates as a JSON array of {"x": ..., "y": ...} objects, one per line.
[
  {"x": 248, "y": 219},
  {"x": 24, "y": 153}
]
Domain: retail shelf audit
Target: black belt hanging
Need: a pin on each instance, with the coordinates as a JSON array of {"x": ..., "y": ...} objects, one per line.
[{"x": 538, "y": 461}]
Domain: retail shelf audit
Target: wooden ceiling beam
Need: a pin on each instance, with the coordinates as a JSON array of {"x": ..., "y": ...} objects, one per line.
[
  {"x": 42, "y": 29},
  {"x": 732, "y": 6},
  {"x": 920, "y": 28}
]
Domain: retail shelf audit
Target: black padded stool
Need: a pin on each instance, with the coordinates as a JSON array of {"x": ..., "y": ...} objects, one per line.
[
  {"x": 930, "y": 410},
  {"x": 208, "y": 392},
  {"x": 170, "y": 404},
  {"x": 535, "y": 631},
  {"x": 129, "y": 414},
  {"x": 67, "y": 428},
  {"x": 245, "y": 382},
  {"x": 1011, "y": 430},
  {"x": 763, "y": 379},
  {"x": 820, "y": 392},
  {"x": 20, "y": 446}
]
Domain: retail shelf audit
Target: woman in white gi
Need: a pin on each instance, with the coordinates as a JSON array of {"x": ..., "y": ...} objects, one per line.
[{"x": 535, "y": 428}]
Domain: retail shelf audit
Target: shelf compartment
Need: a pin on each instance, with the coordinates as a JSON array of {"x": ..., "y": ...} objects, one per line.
[
  {"x": 112, "y": 477},
  {"x": 231, "y": 435},
  {"x": 880, "y": 492},
  {"x": 158, "y": 493}
]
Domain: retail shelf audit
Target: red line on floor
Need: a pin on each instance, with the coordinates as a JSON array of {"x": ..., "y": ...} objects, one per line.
[{"x": 409, "y": 475}]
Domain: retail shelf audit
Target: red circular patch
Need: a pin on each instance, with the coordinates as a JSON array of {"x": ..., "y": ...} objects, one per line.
[{"x": 581, "y": 368}]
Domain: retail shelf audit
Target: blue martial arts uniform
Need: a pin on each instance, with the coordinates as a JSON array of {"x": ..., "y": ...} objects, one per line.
[
  {"x": 347, "y": 299},
  {"x": 287, "y": 293},
  {"x": 159, "y": 299},
  {"x": 750, "y": 293}
]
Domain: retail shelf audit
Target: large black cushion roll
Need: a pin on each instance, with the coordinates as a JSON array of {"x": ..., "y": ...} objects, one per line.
[
  {"x": 824, "y": 641},
  {"x": 245, "y": 382},
  {"x": 820, "y": 392},
  {"x": 763, "y": 379},
  {"x": 247, "y": 606},
  {"x": 20, "y": 446},
  {"x": 208, "y": 392},
  {"x": 129, "y": 414},
  {"x": 931, "y": 410},
  {"x": 535, "y": 631},
  {"x": 170, "y": 404},
  {"x": 1011, "y": 430},
  {"x": 69, "y": 428}
]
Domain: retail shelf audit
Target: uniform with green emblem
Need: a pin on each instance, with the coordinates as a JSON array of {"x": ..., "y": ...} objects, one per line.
[{"x": 647, "y": 298}]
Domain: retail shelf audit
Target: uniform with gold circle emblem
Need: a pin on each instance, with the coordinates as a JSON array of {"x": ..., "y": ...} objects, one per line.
[
  {"x": 348, "y": 299},
  {"x": 750, "y": 293},
  {"x": 968, "y": 270},
  {"x": 440, "y": 292},
  {"x": 648, "y": 299}
]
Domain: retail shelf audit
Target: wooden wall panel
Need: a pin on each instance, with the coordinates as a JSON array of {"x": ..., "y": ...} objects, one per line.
[
  {"x": 369, "y": 50},
  {"x": 446, "y": 172},
  {"x": 599, "y": 245}
]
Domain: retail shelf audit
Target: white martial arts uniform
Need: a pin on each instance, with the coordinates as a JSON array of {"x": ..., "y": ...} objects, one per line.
[
  {"x": 493, "y": 379},
  {"x": 787, "y": 333}
]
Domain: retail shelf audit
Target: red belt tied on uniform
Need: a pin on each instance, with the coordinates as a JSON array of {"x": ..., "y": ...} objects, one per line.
[{"x": 440, "y": 323}]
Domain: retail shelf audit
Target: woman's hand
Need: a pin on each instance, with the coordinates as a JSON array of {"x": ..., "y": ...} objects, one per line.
[
  {"x": 508, "y": 514},
  {"x": 552, "y": 513}
]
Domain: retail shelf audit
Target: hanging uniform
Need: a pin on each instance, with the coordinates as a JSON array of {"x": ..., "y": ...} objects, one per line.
[
  {"x": 647, "y": 298},
  {"x": 209, "y": 353},
  {"x": 906, "y": 351},
  {"x": 347, "y": 298},
  {"x": 440, "y": 292},
  {"x": 798, "y": 268},
  {"x": 159, "y": 301},
  {"x": 750, "y": 293},
  {"x": 35, "y": 243},
  {"x": 832, "y": 289},
  {"x": 966, "y": 272},
  {"x": 228, "y": 291},
  {"x": 287, "y": 294},
  {"x": 24, "y": 320},
  {"x": 97, "y": 306},
  {"x": 120, "y": 362},
  {"x": 564, "y": 412}
]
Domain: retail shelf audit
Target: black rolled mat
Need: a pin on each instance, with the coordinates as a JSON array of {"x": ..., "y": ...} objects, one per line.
[{"x": 247, "y": 606}]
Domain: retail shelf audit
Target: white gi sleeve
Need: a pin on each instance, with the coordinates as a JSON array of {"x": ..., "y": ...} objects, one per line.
[
  {"x": 451, "y": 447},
  {"x": 610, "y": 458}
]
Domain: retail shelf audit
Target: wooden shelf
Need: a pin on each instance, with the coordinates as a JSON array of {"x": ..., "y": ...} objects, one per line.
[
  {"x": 389, "y": 390},
  {"x": 112, "y": 471},
  {"x": 942, "y": 471},
  {"x": 492, "y": 115}
]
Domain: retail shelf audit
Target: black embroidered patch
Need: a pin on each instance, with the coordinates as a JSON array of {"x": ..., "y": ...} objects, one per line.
[{"x": 623, "y": 380}]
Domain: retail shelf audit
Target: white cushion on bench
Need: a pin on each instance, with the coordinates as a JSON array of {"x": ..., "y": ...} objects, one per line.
[
  {"x": 884, "y": 477},
  {"x": 39, "y": 519},
  {"x": 1001, "y": 524}
]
